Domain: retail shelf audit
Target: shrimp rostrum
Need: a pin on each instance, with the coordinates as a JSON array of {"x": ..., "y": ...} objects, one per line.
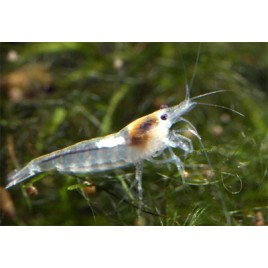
[{"x": 144, "y": 139}]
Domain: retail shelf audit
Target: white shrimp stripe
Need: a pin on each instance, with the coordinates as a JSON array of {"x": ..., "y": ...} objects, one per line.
[{"x": 110, "y": 142}]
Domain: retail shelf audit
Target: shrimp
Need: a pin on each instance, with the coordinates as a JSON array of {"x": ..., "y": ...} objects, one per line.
[{"x": 144, "y": 139}]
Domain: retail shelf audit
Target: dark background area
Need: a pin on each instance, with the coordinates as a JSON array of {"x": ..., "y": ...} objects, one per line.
[{"x": 56, "y": 94}]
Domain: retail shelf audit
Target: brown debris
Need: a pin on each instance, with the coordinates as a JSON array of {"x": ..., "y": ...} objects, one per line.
[
  {"x": 258, "y": 219},
  {"x": 32, "y": 191},
  {"x": 6, "y": 204},
  {"x": 26, "y": 82}
]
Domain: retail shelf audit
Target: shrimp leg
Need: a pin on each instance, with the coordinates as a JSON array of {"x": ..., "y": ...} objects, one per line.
[{"x": 138, "y": 178}]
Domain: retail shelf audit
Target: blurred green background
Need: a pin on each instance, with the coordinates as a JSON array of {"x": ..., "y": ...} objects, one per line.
[{"x": 56, "y": 94}]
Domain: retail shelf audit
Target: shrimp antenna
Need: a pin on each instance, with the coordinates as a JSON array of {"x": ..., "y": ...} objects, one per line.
[
  {"x": 215, "y": 105},
  {"x": 219, "y": 106},
  {"x": 195, "y": 66},
  {"x": 209, "y": 93},
  {"x": 188, "y": 88},
  {"x": 187, "y": 94}
]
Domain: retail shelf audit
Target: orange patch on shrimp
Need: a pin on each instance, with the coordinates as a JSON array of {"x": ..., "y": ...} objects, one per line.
[{"x": 140, "y": 131}]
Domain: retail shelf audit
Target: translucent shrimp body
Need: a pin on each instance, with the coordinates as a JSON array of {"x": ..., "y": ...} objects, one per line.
[
  {"x": 137, "y": 141},
  {"x": 143, "y": 139}
]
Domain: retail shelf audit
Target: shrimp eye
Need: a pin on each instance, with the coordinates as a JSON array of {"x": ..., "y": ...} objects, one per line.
[
  {"x": 163, "y": 106},
  {"x": 164, "y": 116}
]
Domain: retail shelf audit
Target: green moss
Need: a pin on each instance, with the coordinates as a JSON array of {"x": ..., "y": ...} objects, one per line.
[{"x": 98, "y": 89}]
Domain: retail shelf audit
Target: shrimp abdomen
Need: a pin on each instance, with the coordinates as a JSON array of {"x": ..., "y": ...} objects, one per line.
[{"x": 92, "y": 156}]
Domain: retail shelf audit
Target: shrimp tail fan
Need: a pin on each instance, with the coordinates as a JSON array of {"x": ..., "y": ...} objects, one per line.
[{"x": 23, "y": 174}]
